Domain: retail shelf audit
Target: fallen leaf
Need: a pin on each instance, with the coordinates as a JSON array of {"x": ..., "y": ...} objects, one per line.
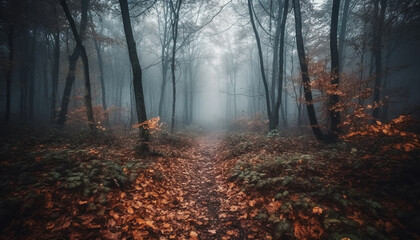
[
  {"x": 110, "y": 235},
  {"x": 317, "y": 210},
  {"x": 212, "y": 231},
  {"x": 193, "y": 234},
  {"x": 130, "y": 210},
  {"x": 243, "y": 217},
  {"x": 66, "y": 225},
  {"x": 50, "y": 225},
  {"x": 114, "y": 214},
  {"x": 233, "y": 208},
  {"x": 111, "y": 222},
  {"x": 356, "y": 217},
  {"x": 92, "y": 226},
  {"x": 49, "y": 205},
  {"x": 151, "y": 224}
]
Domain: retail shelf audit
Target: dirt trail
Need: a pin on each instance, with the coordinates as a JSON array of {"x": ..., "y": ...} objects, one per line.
[
  {"x": 214, "y": 205},
  {"x": 185, "y": 196},
  {"x": 204, "y": 188}
]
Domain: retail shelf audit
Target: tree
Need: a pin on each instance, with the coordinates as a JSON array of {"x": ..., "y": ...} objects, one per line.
[
  {"x": 342, "y": 35},
  {"x": 175, "y": 20},
  {"x": 71, "y": 75},
  {"x": 281, "y": 64},
  {"x": 98, "y": 48},
  {"x": 82, "y": 49},
  {"x": 136, "y": 69},
  {"x": 56, "y": 70},
  {"x": 9, "y": 71},
  {"x": 164, "y": 27},
  {"x": 261, "y": 59},
  {"x": 334, "y": 98},
  {"x": 305, "y": 73},
  {"x": 379, "y": 16}
]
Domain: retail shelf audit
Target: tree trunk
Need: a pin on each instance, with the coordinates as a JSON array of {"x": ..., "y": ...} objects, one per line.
[
  {"x": 88, "y": 96},
  {"x": 71, "y": 75},
  {"x": 56, "y": 70},
  {"x": 377, "y": 52},
  {"x": 31, "y": 77},
  {"x": 342, "y": 35},
  {"x": 24, "y": 76},
  {"x": 264, "y": 78},
  {"x": 275, "y": 56},
  {"x": 334, "y": 98},
  {"x": 98, "y": 49},
  {"x": 305, "y": 73},
  {"x": 9, "y": 73},
  {"x": 281, "y": 65},
  {"x": 174, "y": 40},
  {"x": 163, "y": 86},
  {"x": 137, "y": 72},
  {"x": 164, "y": 56}
]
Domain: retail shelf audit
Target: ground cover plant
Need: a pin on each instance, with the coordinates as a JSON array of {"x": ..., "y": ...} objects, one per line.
[{"x": 203, "y": 185}]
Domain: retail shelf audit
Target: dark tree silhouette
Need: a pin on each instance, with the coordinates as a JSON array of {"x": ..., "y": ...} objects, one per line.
[
  {"x": 334, "y": 98},
  {"x": 305, "y": 73},
  {"x": 379, "y": 16},
  {"x": 71, "y": 75},
  {"x": 260, "y": 55},
  {"x": 88, "y": 96},
  {"x": 281, "y": 64},
  {"x": 137, "y": 72}
]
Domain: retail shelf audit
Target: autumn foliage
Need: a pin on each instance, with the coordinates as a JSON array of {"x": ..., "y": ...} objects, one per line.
[{"x": 152, "y": 125}]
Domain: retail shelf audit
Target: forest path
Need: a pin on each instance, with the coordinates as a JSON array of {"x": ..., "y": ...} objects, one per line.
[
  {"x": 202, "y": 193},
  {"x": 194, "y": 200},
  {"x": 213, "y": 204}
]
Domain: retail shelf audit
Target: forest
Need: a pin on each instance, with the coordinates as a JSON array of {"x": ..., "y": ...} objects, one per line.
[{"x": 209, "y": 119}]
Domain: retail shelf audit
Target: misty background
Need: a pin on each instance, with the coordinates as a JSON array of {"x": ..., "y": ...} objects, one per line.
[{"x": 217, "y": 68}]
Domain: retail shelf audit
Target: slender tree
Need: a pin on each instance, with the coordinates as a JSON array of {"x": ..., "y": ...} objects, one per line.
[
  {"x": 377, "y": 51},
  {"x": 98, "y": 48},
  {"x": 88, "y": 96},
  {"x": 281, "y": 64},
  {"x": 175, "y": 21},
  {"x": 261, "y": 59},
  {"x": 9, "y": 73},
  {"x": 334, "y": 98},
  {"x": 73, "y": 58},
  {"x": 164, "y": 23},
  {"x": 275, "y": 65},
  {"x": 342, "y": 35},
  {"x": 305, "y": 72},
  {"x": 55, "y": 72},
  {"x": 136, "y": 69}
]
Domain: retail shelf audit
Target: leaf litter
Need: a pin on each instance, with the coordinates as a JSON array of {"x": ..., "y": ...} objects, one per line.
[{"x": 203, "y": 186}]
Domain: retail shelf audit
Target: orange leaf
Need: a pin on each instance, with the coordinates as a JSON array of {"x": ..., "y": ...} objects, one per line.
[
  {"x": 317, "y": 210},
  {"x": 193, "y": 234},
  {"x": 130, "y": 210},
  {"x": 233, "y": 208},
  {"x": 66, "y": 225},
  {"x": 50, "y": 225}
]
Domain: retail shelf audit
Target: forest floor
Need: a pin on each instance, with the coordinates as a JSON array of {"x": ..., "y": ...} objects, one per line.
[{"x": 67, "y": 184}]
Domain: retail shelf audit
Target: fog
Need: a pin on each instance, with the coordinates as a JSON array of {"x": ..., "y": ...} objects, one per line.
[{"x": 221, "y": 60}]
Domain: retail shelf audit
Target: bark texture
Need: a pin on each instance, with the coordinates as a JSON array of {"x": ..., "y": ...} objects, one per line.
[
  {"x": 137, "y": 72},
  {"x": 305, "y": 73}
]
